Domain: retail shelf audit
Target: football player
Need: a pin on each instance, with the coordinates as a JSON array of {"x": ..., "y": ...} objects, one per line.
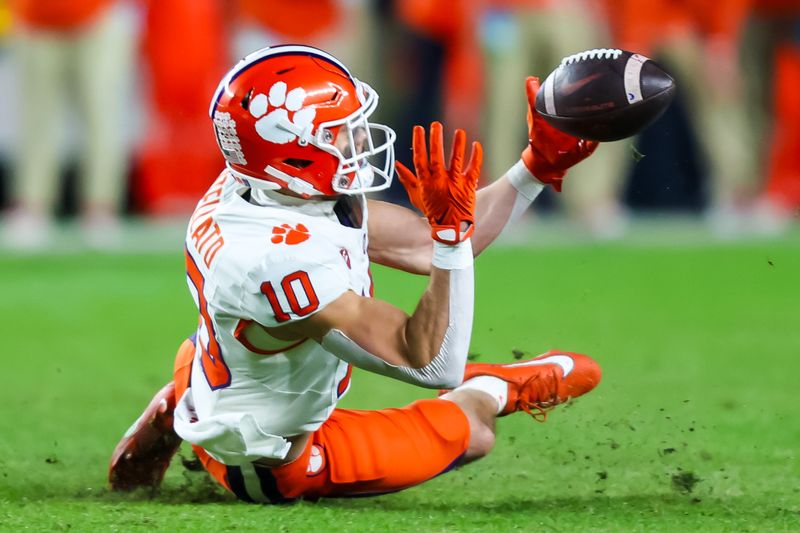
[{"x": 278, "y": 254}]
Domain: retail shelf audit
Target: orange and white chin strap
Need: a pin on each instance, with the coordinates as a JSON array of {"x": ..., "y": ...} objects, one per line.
[{"x": 446, "y": 370}]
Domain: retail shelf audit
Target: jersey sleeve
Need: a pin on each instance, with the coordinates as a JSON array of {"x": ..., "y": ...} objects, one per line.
[{"x": 280, "y": 291}]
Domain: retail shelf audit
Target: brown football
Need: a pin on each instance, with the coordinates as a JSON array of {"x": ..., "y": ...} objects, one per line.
[{"x": 605, "y": 94}]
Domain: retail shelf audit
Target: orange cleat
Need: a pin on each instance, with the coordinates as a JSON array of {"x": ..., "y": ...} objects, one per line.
[
  {"x": 536, "y": 385},
  {"x": 143, "y": 455}
]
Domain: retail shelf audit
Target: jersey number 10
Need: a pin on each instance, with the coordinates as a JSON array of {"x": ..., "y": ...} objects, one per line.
[{"x": 300, "y": 280}]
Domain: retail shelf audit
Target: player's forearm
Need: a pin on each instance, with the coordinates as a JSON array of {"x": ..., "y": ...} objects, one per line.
[
  {"x": 501, "y": 202},
  {"x": 439, "y": 331},
  {"x": 429, "y": 348},
  {"x": 492, "y": 210},
  {"x": 425, "y": 329},
  {"x": 399, "y": 238}
]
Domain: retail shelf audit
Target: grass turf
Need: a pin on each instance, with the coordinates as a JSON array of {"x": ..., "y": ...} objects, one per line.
[{"x": 694, "y": 427}]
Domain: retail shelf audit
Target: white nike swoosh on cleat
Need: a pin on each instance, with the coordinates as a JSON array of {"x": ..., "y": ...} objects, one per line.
[{"x": 564, "y": 361}]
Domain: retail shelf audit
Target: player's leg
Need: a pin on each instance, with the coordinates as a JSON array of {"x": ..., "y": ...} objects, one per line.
[
  {"x": 143, "y": 455},
  {"x": 370, "y": 452},
  {"x": 358, "y": 453},
  {"x": 480, "y": 408},
  {"x": 376, "y": 452},
  {"x": 536, "y": 385}
]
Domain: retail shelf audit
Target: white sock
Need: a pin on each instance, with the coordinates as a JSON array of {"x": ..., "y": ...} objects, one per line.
[{"x": 494, "y": 387}]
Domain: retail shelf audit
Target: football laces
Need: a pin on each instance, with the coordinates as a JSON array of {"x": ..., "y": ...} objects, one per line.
[{"x": 594, "y": 53}]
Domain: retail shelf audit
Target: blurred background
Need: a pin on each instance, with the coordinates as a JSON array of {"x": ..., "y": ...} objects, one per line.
[{"x": 105, "y": 140}]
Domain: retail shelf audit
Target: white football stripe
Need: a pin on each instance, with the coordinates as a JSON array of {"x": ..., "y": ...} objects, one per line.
[
  {"x": 549, "y": 95},
  {"x": 564, "y": 361},
  {"x": 633, "y": 78}
]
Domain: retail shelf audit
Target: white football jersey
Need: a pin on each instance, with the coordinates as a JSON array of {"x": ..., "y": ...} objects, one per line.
[{"x": 251, "y": 265}]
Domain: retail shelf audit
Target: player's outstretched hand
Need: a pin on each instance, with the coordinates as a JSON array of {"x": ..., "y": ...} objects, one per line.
[
  {"x": 445, "y": 194},
  {"x": 410, "y": 184},
  {"x": 550, "y": 152}
]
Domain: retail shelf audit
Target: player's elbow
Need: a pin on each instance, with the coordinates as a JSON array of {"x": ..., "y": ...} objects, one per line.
[
  {"x": 420, "y": 352},
  {"x": 439, "y": 367},
  {"x": 416, "y": 361},
  {"x": 438, "y": 376},
  {"x": 437, "y": 383},
  {"x": 451, "y": 381}
]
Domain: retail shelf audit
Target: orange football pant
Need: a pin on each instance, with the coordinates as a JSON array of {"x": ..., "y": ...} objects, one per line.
[{"x": 353, "y": 453}]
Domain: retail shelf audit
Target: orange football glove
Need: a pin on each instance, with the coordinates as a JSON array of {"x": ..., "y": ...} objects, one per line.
[
  {"x": 410, "y": 182},
  {"x": 550, "y": 152},
  {"x": 446, "y": 196}
]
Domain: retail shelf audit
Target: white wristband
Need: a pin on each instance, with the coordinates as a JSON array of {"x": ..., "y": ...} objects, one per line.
[
  {"x": 452, "y": 256},
  {"x": 526, "y": 184}
]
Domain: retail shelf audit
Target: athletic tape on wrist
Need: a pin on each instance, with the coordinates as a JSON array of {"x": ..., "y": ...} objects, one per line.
[
  {"x": 452, "y": 256},
  {"x": 528, "y": 188},
  {"x": 526, "y": 184}
]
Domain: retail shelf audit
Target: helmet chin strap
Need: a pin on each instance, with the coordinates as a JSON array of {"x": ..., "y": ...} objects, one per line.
[
  {"x": 296, "y": 185},
  {"x": 253, "y": 183}
]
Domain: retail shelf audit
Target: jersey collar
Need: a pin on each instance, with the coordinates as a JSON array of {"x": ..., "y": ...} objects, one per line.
[{"x": 311, "y": 207}]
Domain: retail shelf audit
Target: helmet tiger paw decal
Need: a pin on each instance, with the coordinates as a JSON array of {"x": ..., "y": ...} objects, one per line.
[
  {"x": 274, "y": 109},
  {"x": 285, "y": 233}
]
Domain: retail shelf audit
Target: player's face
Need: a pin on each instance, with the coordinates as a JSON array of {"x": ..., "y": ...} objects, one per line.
[
  {"x": 361, "y": 157},
  {"x": 349, "y": 147}
]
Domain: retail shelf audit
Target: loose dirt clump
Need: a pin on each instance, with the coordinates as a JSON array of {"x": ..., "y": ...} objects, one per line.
[{"x": 684, "y": 482}]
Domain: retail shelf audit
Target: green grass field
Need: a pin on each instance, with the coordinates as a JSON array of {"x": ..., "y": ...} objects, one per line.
[{"x": 695, "y": 426}]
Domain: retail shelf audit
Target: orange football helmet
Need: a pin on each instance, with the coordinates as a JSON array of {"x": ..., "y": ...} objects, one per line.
[{"x": 293, "y": 117}]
